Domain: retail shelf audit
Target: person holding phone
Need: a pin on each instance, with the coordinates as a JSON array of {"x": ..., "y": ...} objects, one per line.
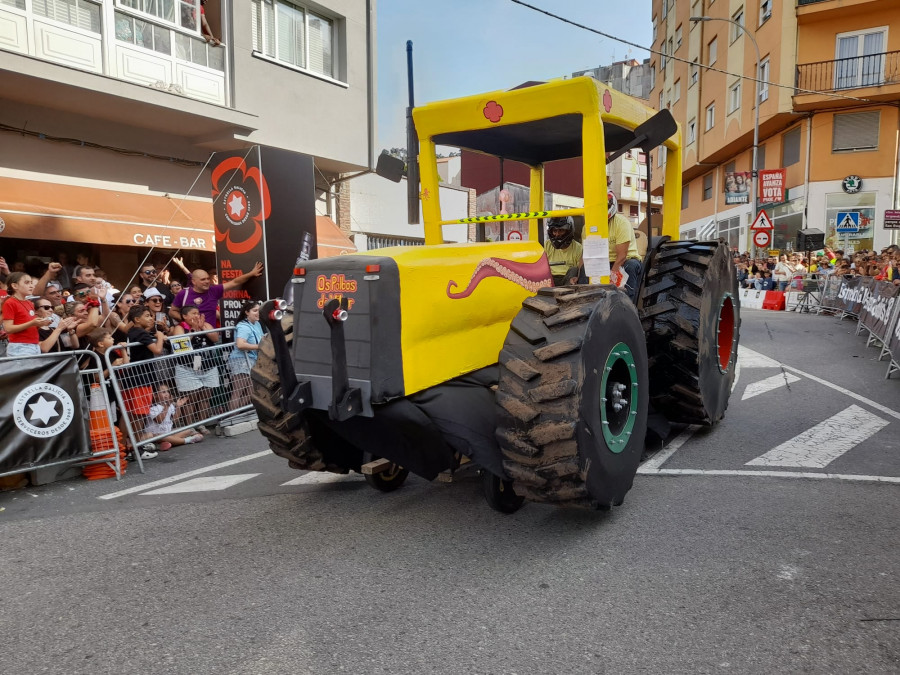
[{"x": 20, "y": 321}]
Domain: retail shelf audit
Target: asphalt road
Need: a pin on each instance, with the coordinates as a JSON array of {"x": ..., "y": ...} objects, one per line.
[{"x": 734, "y": 552}]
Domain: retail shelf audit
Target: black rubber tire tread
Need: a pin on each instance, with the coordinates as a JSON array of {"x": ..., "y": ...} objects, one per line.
[
  {"x": 288, "y": 433},
  {"x": 541, "y": 399},
  {"x": 500, "y": 494},
  {"x": 680, "y": 311}
]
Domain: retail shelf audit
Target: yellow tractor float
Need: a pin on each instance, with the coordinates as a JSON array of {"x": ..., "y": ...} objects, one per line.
[{"x": 415, "y": 359}]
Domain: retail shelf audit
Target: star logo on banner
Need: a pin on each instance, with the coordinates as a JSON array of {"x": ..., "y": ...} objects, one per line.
[
  {"x": 43, "y": 410},
  {"x": 237, "y": 205}
]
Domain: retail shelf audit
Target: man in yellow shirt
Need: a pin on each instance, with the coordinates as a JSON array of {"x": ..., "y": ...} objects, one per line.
[
  {"x": 563, "y": 252},
  {"x": 623, "y": 252}
]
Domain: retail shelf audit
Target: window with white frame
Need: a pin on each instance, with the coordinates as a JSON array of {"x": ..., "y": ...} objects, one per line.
[
  {"x": 765, "y": 11},
  {"x": 18, "y": 4},
  {"x": 660, "y": 100},
  {"x": 764, "y": 76},
  {"x": 82, "y": 14},
  {"x": 712, "y": 51},
  {"x": 692, "y": 131},
  {"x": 671, "y": 48},
  {"x": 710, "y": 116},
  {"x": 181, "y": 13},
  {"x": 665, "y": 8},
  {"x": 860, "y": 58},
  {"x": 676, "y": 91},
  {"x": 652, "y": 76},
  {"x": 695, "y": 73},
  {"x": 737, "y": 30},
  {"x": 654, "y": 28},
  {"x": 734, "y": 97},
  {"x": 678, "y": 37},
  {"x": 294, "y": 34},
  {"x": 685, "y": 193},
  {"x": 707, "y": 186},
  {"x": 664, "y": 55}
]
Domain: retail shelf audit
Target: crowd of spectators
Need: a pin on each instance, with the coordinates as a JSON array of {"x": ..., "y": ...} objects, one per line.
[
  {"x": 63, "y": 307},
  {"x": 775, "y": 273}
]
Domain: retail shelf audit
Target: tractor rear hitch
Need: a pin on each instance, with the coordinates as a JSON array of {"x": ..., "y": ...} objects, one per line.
[
  {"x": 300, "y": 397},
  {"x": 346, "y": 402}
]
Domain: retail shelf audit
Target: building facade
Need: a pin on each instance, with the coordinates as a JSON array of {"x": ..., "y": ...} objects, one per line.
[
  {"x": 112, "y": 109},
  {"x": 827, "y": 114},
  {"x": 631, "y": 76}
]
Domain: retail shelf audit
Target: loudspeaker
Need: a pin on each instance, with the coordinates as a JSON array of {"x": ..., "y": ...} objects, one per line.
[{"x": 810, "y": 240}]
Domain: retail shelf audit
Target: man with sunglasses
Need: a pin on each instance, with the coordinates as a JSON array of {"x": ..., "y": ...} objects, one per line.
[{"x": 149, "y": 279}]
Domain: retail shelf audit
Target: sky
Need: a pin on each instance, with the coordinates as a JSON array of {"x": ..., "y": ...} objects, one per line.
[{"x": 465, "y": 47}]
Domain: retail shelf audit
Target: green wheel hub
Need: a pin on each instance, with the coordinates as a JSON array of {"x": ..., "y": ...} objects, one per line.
[{"x": 618, "y": 397}]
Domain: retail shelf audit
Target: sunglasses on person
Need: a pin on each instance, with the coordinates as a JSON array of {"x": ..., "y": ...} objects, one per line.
[
  {"x": 154, "y": 299},
  {"x": 45, "y": 306},
  {"x": 82, "y": 294},
  {"x": 129, "y": 301},
  {"x": 148, "y": 272}
]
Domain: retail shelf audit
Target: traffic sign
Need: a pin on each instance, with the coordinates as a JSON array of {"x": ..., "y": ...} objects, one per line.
[
  {"x": 761, "y": 238},
  {"x": 762, "y": 222},
  {"x": 847, "y": 221}
]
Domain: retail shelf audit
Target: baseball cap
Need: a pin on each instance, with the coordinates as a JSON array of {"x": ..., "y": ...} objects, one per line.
[{"x": 152, "y": 293}]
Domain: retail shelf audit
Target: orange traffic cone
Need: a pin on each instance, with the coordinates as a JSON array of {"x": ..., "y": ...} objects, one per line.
[{"x": 101, "y": 432}]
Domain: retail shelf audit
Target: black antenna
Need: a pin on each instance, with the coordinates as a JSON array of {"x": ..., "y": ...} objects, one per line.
[{"x": 412, "y": 146}]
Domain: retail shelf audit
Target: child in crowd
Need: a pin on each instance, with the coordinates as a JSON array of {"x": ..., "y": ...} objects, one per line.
[
  {"x": 138, "y": 378},
  {"x": 19, "y": 320},
  {"x": 162, "y": 417}
]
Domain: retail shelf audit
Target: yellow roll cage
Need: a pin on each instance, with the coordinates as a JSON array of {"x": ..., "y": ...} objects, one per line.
[{"x": 545, "y": 122}]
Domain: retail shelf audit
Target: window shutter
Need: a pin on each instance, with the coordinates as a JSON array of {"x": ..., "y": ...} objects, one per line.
[
  {"x": 320, "y": 45},
  {"x": 790, "y": 150},
  {"x": 856, "y": 131}
]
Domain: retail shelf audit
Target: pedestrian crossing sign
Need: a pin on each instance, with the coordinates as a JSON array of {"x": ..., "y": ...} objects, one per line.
[{"x": 847, "y": 221}]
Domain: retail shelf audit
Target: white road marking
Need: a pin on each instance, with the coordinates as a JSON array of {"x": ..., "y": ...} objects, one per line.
[
  {"x": 774, "y": 474},
  {"x": 751, "y": 359},
  {"x": 819, "y": 446},
  {"x": 661, "y": 457},
  {"x": 182, "y": 476},
  {"x": 787, "y": 572},
  {"x": 768, "y": 384},
  {"x": 862, "y": 399},
  {"x": 203, "y": 484},
  {"x": 320, "y": 477}
]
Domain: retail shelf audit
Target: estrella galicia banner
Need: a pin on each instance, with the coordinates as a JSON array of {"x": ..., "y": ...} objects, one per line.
[
  {"x": 853, "y": 292},
  {"x": 878, "y": 308},
  {"x": 42, "y": 414},
  {"x": 264, "y": 211},
  {"x": 892, "y": 339}
]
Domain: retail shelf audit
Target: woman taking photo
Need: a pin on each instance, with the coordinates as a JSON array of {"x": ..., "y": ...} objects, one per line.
[
  {"x": 247, "y": 335},
  {"x": 118, "y": 317},
  {"x": 19, "y": 318}
]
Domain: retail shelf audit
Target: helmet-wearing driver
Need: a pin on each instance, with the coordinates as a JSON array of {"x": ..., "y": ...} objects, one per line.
[
  {"x": 613, "y": 204},
  {"x": 561, "y": 231}
]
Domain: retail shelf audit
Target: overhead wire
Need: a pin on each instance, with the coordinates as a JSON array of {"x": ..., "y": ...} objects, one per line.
[{"x": 793, "y": 88}]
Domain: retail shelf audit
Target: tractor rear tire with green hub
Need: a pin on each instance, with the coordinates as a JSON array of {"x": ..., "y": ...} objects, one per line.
[
  {"x": 573, "y": 397},
  {"x": 691, "y": 315}
]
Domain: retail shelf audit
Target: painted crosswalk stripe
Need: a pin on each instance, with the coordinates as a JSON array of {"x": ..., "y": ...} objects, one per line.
[
  {"x": 202, "y": 484},
  {"x": 820, "y": 445},
  {"x": 749, "y": 358},
  {"x": 320, "y": 477},
  {"x": 768, "y": 384}
]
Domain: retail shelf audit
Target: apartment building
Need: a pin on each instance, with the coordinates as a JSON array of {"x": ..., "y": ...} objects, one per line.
[
  {"x": 111, "y": 109},
  {"x": 838, "y": 146},
  {"x": 630, "y": 76}
]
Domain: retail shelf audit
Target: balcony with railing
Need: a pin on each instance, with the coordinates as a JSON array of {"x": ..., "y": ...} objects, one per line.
[
  {"x": 157, "y": 43},
  {"x": 858, "y": 72}
]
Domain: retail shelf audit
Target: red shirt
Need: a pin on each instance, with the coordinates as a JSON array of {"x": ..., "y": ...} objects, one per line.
[{"x": 20, "y": 311}]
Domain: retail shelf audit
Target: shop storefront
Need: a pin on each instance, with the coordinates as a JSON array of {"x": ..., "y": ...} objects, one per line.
[{"x": 861, "y": 209}]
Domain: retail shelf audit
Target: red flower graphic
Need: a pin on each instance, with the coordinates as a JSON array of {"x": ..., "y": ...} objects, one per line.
[
  {"x": 222, "y": 178},
  {"x": 493, "y": 111},
  {"x": 607, "y": 100}
]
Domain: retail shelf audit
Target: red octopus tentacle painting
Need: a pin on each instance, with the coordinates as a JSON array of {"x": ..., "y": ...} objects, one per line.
[{"x": 531, "y": 276}]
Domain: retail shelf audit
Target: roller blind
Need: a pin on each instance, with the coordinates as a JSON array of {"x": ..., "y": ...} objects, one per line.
[{"x": 856, "y": 131}]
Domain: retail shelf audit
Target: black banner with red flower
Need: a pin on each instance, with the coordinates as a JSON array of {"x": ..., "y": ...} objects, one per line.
[{"x": 264, "y": 211}]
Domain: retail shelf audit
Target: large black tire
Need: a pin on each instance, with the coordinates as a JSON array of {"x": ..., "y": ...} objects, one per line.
[
  {"x": 568, "y": 434},
  {"x": 500, "y": 494},
  {"x": 288, "y": 433},
  {"x": 690, "y": 310}
]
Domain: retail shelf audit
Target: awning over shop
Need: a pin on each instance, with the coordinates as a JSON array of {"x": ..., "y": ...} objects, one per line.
[
  {"x": 330, "y": 240},
  {"x": 57, "y": 212},
  {"x": 41, "y": 210}
]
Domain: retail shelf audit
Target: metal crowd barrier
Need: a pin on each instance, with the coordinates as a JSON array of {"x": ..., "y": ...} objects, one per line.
[
  {"x": 92, "y": 400},
  {"x": 205, "y": 384}
]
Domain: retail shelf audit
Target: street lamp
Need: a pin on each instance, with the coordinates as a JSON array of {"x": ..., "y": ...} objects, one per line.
[{"x": 755, "y": 104}]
